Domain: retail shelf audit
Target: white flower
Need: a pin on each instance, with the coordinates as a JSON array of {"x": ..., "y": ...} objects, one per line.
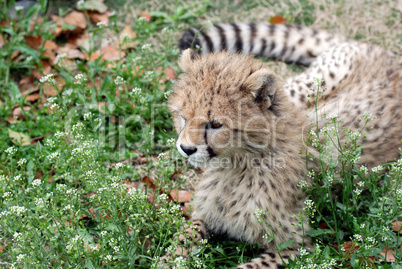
[
  {"x": 88, "y": 116},
  {"x": 11, "y": 151},
  {"x": 143, "y": 100},
  {"x": 53, "y": 156},
  {"x": 146, "y": 47},
  {"x": 40, "y": 202},
  {"x": 309, "y": 204},
  {"x": 368, "y": 116},
  {"x": 171, "y": 142},
  {"x": 21, "y": 162},
  {"x": 68, "y": 207},
  {"x": 364, "y": 170},
  {"x": 37, "y": 182},
  {"x": 79, "y": 79},
  {"x": 18, "y": 8},
  {"x": 78, "y": 127},
  {"x": 20, "y": 258},
  {"x": 124, "y": 37},
  {"x": 303, "y": 252},
  {"x": 6, "y": 194},
  {"x": 333, "y": 116},
  {"x": 17, "y": 178},
  {"x": 162, "y": 156},
  {"x": 48, "y": 78},
  {"x": 136, "y": 91},
  {"x": 179, "y": 263},
  {"x": 377, "y": 169},
  {"x": 103, "y": 233},
  {"x": 17, "y": 236},
  {"x": 167, "y": 94},
  {"x": 119, "y": 80},
  {"x": 69, "y": 247},
  {"x": 142, "y": 19},
  {"x": 311, "y": 174},
  {"x": 18, "y": 210},
  {"x": 302, "y": 184},
  {"x": 259, "y": 213},
  {"x": 357, "y": 192},
  {"x": 166, "y": 30},
  {"x": 360, "y": 184},
  {"x": 318, "y": 81},
  {"x": 354, "y": 135},
  {"x": 119, "y": 165},
  {"x": 358, "y": 237},
  {"x": 60, "y": 57},
  {"x": 109, "y": 257},
  {"x": 101, "y": 24}
]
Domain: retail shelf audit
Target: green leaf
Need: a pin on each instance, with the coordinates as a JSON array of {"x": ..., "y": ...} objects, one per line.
[
  {"x": 354, "y": 261},
  {"x": 341, "y": 206},
  {"x": 314, "y": 233},
  {"x": 285, "y": 245}
]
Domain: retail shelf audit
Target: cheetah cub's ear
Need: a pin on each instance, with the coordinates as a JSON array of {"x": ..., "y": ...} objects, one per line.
[
  {"x": 262, "y": 84},
  {"x": 186, "y": 59}
]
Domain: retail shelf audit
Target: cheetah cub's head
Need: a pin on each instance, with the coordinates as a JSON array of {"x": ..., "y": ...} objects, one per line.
[{"x": 223, "y": 104}]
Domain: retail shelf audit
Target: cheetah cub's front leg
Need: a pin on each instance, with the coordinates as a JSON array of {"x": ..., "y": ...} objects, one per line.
[{"x": 194, "y": 233}]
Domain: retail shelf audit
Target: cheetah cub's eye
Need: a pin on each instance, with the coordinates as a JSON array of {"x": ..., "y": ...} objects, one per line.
[{"x": 215, "y": 124}]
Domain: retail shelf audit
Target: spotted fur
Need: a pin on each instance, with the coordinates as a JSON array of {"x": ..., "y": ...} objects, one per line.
[{"x": 235, "y": 118}]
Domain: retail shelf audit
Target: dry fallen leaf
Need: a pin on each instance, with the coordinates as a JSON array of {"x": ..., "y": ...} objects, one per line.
[
  {"x": 77, "y": 19},
  {"x": 389, "y": 255},
  {"x": 15, "y": 53},
  {"x": 46, "y": 69},
  {"x": 71, "y": 50},
  {"x": 94, "y": 55},
  {"x": 59, "y": 23},
  {"x": 1, "y": 41},
  {"x": 32, "y": 97},
  {"x": 50, "y": 90},
  {"x": 187, "y": 209},
  {"x": 110, "y": 53},
  {"x": 130, "y": 34},
  {"x": 34, "y": 41},
  {"x": 397, "y": 226},
  {"x": 170, "y": 73},
  {"x": 277, "y": 19},
  {"x": 27, "y": 86},
  {"x": 35, "y": 21},
  {"x": 80, "y": 40},
  {"x": 180, "y": 196},
  {"x": 19, "y": 138},
  {"x": 17, "y": 112},
  {"x": 50, "y": 45},
  {"x": 99, "y": 17}
]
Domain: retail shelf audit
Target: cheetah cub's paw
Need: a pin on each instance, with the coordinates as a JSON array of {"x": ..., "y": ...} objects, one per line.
[{"x": 194, "y": 234}]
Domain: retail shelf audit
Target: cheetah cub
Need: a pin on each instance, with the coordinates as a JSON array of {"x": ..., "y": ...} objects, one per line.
[
  {"x": 240, "y": 126},
  {"x": 235, "y": 118}
]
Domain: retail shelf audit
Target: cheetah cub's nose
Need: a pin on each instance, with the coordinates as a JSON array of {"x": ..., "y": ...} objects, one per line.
[{"x": 188, "y": 150}]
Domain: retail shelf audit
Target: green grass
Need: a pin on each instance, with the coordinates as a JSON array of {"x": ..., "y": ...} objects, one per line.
[{"x": 63, "y": 201}]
